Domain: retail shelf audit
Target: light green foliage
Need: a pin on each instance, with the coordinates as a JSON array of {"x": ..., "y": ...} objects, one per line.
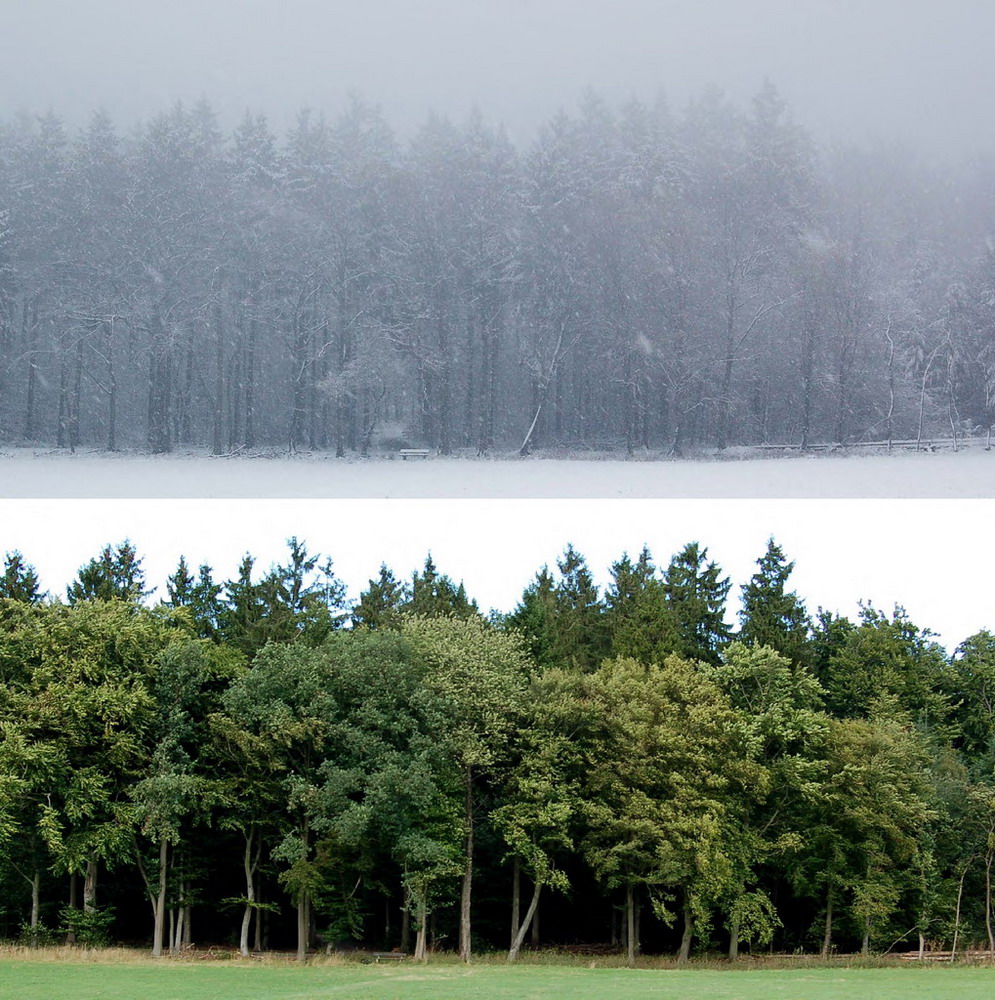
[
  {"x": 476, "y": 675},
  {"x": 663, "y": 755},
  {"x": 85, "y": 695}
]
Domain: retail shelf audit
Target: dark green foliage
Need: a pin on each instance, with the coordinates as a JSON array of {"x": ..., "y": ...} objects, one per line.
[
  {"x": 433, "y": 593},
  {"x": 19, "y": 581},
  {"x": 696, "y": 601},
  {"x": 116, "y": 574},
  {"x": 382, "y": 603},
  {"x": 770, "y": 616}
]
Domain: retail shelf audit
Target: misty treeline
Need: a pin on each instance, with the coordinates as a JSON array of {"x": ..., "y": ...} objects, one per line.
[
  {"x": 634, "y": 278},
  {"x": 260, "y": 763}
]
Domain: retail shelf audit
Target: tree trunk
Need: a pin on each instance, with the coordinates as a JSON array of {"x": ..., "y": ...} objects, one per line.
[
  {"x": 827, "y": 937},
  {"x": 249, "y": 864},
  {"x": 630, "y": 925},
  {"x": 90, "y": 887},
  {"x": 405, "y": 930},
  {"x": 734, "y": 937},
  {"x": 988, "y": 904},
  {"x": 160, "y": 903},
  {"x": 303, "y": 926},
  {"x": 73, "y": 903},
  {"x": 260, "y": 917},
  {"x": 516, "y": 899},
  {"x": 35, "y": 906},
  {"x": 421, "y": 920},
  {"x": 685, "y": 952},
  {"x": 464, "y": 920},
  {"x": 516, "y": 944},
  {"x": 960, "y": 896}
]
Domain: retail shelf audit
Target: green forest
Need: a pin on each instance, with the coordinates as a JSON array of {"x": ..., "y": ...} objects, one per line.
[{"x": 259, "y": 764}]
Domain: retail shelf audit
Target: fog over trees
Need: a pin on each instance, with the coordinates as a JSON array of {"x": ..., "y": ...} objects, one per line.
[{"x": 635, "y": 278}]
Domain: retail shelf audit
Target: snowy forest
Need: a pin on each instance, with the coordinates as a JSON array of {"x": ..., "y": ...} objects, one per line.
[
  {"x": 260, "y": 763},
  {"x": 634, "y": 278}
]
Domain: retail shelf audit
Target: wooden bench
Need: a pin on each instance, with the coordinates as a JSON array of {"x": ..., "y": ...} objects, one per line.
[
  {"x": 407, "y": 453},
  {"x": 387, "y": 956}
]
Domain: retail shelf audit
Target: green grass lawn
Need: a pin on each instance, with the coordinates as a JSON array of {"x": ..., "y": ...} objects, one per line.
[{"x": 174, "y": 980}]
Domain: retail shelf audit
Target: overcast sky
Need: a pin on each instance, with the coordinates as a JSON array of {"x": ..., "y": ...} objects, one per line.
[
  {"x": 934, "y": 557},
  {"x": 917, "y": 71}
]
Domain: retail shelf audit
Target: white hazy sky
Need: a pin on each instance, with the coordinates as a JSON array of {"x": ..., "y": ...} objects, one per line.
[
  {"x": 916, "y": 71},
  {"x": 932, "y": 556}
]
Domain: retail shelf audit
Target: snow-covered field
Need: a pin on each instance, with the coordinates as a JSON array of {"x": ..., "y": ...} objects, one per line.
[{"x": 27, "y": 473}]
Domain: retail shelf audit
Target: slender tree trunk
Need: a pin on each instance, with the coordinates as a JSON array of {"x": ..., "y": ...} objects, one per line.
[
  {"x": 160, "y": 904},
  {"x": 111, "y": 387},
  {"x": 464, "y": 922},
  {"x": 516, "y": 899},
  {"x": 734, "y": 937},
  {"x": 405, "y": 930},
  {"x": 516, "y": 944},
  {"x": 260, "y": 917},
  {"x": 534, "y": 937},
  {"x": 249, "y": 863},
  {"x": 988, "y": 903},
  {"x": 685, "y": 952},
  {"x": 630, "y": 925},
  {"x": 960, "y": 896},
  {"x": 827, "y": 936},
  {"x": 73, "y": 903},
  {"x": 35, "y": 906},
  {"x": 421, "y": 922},
  {"x": 303, "y": 926}
]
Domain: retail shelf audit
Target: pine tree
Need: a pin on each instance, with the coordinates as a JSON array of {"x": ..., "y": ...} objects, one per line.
[
  {"x": 434, "y": 594},
  {"x": 696, "y": 597},
  {"x": 19, "y": 581},
  {"x": 116, "y": 574},
  {"x": 380, "y": 605},
  {"x": 582, "y": 639},
  {"x": 535, "y": 619},
  {"x": 200, "y": 594},
  {"x": 769, "y": 615}
]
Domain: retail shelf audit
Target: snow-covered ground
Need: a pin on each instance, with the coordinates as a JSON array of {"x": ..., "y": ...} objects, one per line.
[{"x": 27, "y": 473}]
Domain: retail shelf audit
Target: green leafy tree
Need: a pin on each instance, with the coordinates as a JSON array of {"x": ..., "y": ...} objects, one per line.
[
  {"x": 663, "y": 757},
  {"x": 540, "y": 796},
  {"x": 476, "y": 675},
  {"x": 887, "y": 665},
  {"x": 783, "y": 728}
]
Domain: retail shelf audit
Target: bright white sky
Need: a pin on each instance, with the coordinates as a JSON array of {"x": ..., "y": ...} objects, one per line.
[
  {"x": 932, "y": 556},
  {"x": 916, "y": 71}
]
